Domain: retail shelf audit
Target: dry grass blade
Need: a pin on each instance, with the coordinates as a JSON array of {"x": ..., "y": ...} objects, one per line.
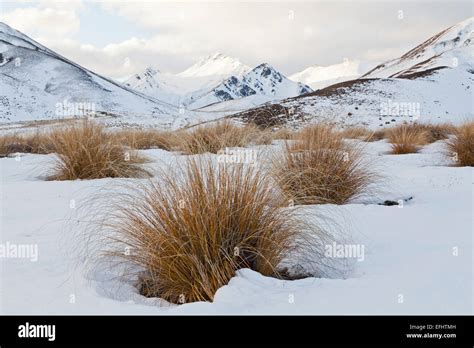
[
  {"x": 321, "y": 168},
  {"x": 86, "y": 151}
]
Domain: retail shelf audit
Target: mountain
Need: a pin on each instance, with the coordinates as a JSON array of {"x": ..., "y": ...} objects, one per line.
[
  {"x": 155, "y": 84},
  {"x": 431, "y": 83},
  {"x": 263, "y": 81},
  {"x": 191, "y": 84},
  {"x": 446, "y": 49},
  {"x": 38, "y": 83},
  {"x": 318, "y": 77}
]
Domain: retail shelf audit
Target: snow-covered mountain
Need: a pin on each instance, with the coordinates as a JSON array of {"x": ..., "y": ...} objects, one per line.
[
  {"x": 185, "y": 87},
  {"x": 263, "y": 80},
  {"x": 432, "y": 83},
  {"x": 155, "y": 84},
  {"x": 447, "y": 49},
  {"x": 318, "y": 77},
  {"x": 37, "y": 83},
  {"x": 217, "y": 78}
]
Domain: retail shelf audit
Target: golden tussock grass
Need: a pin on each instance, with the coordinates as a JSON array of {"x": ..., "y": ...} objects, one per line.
[
  {"x": 364, "y": 134},
  {"x": 191, "y": 230},
  {"x": 38, "y": 142},
  {"x": 320, "y": 167},
  {"x": 407, "y": 138},
  {"x": 434, "y": 132},
  {"x": 87, "y": 151},
  {"x": 461, "y": 145},
  {"x": 429, "y": 133},
  {"x": 283, "y": 134},
  {"x": 217, "y": 136},
  {"x": 148, "y": 139},
  {"x": 360, "y": 133}
]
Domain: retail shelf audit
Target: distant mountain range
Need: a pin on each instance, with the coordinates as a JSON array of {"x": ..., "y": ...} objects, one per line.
[
  {"x": 215, "y": 79},
  {"x": 434, "y": 80}
]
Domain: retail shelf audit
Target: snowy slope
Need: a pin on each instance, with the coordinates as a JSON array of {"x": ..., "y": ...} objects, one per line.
[
  {"x": 262, "y": 80},
  {"x": 37, "y": 83},
  {"x": 431, "y": 83},
  {"x": 449, "y": 48},
  {"x": 318, "y": 77},
  {"x": 152, "y": 82}
]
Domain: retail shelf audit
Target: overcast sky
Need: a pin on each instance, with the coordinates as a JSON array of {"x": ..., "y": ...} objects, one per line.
[{"x": 119, "y": 38}]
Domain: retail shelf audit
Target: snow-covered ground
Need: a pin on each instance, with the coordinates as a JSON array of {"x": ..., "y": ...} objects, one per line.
[{"x": 417, "y": 258}]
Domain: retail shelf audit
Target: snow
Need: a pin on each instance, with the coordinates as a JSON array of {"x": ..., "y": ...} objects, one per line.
[
  {"x": 318, "y": 77},
  {"x": 409, "y": 251}
]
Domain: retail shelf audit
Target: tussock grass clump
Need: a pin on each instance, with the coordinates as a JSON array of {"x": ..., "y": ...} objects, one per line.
[
  {"x": 356, "y": 133},
  {"x": 266, "y": 136},
  {"x": 377, "y": 135},
  {"x": 9, "y": 144},
  {"x": 191, "y": 230},
  {"x": 39, "y": 143},
  {"x": 283, "y": 134},
  {"x": 435, "y": 132},
  {"x": 148, "y": 139},
  {"x": 407, "y": 138},
  {"x": 364, "y": 134},
  {"x": 320, "y": 167},
  {"x": 87, "y": 151},
  {"x": 461, "y": 145},
  {"x": 217, "y": 136}
]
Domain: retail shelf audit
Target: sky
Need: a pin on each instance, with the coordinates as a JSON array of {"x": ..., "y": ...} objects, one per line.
[{"x": 118, "y": 38}]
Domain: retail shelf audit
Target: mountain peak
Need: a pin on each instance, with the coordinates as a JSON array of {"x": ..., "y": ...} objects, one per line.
[
  {"x": 150, "y": 71},
  {"x": 216, "y": 64},
  {"x": 216, "y": 56},
  {"x": 266, "y": 70},
  {"x": 264, "y": 66}
]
